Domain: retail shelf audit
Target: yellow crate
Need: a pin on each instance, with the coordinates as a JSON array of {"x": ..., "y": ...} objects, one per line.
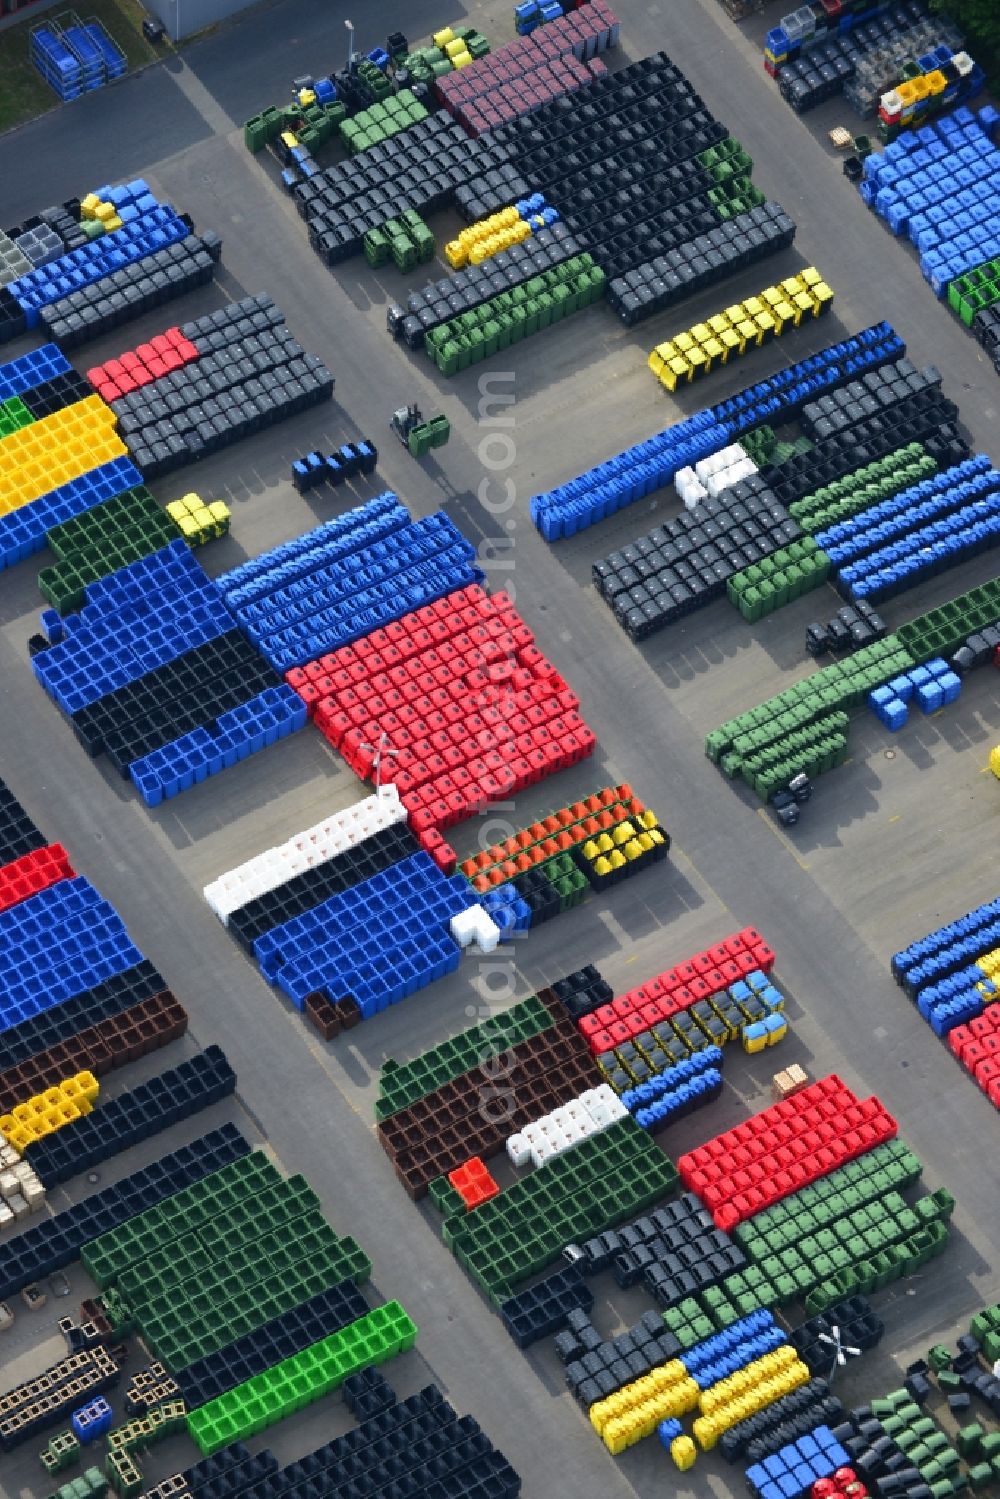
[
  {"x": 45, "y": 1112},
  {"x": 56, "y": 449}
]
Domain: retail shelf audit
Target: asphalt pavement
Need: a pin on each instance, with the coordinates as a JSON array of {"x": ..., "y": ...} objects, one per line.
[{"x": 887, "y": 850}]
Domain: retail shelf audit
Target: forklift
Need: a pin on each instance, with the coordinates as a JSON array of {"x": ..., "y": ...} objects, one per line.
[{"x": 403, "y": 421}]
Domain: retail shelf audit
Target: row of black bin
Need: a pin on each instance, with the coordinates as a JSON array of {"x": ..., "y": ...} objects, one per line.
[
  {"x": 543, "y": 1309},
  {"x": 789, "y": 1418},
  {"x": 111, "y": 997},
  {"x": 418, "y": 169},
  {"x": 132, "y": 290},
  {"x": 686, "y": 563},
  {"x": 313, "y": 886},
  {"x": 620, "y": 162},
  {"x": 170, "y": 701},
  {"x": 52, "y": 395},
  {"x": 986, "y": 327},
  {"x": 676, "y": 1252},
  {"x": 419, "y": 1445},
  {"x": 891, "y": 384},
  {"x": 122, "y": 1122},
  {"x": 927, "y": 418},
  {"x": 739, "y": 242},
  {"x": 493, "y": 189},
  {"x": 583, "y": 992},
  {"x": 18, "y": 834},
  {"x": 251, "y": 372},
  {"x": 278, "y": 1339},
  {"x": 597, "y": 1367},
  {"x": 851, "y": 628}
]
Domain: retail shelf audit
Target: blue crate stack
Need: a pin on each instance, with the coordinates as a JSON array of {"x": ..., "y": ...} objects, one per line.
[
  {"x": 115, "y": 61},
  {"x": 940, "y": 187},
  {"x": 342, "y": 581},
  {"x": 56, "y": 944},
  {"x": 378, "y": 942},
  {"x": 791, "y": 1472},
  {"x": 89, "y": 57},
  {"x": 58, "y": 65},
  {"x": 76, "y": 57},
  {"x": 144, "y": 616},
  {"x": 917, "y": 532}
]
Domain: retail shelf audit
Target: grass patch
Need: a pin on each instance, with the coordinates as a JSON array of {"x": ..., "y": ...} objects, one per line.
[{"x": 24, "y": 93}]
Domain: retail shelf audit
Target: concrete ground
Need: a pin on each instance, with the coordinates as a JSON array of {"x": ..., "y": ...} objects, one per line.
[{"x": 894, "y": 843}]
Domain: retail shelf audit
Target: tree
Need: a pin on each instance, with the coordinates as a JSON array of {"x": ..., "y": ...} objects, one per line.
[{"x": 980, "y": 20}]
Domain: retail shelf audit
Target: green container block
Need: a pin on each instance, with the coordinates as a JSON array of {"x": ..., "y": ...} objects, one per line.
[
  {"x": 14, "y": 415},
  {"x": 274, "y": 1208},
  {"x": 298, "y": 1381},
  {"x": 446, "y": 1198},
  {"x": 105, "y": 1257}
]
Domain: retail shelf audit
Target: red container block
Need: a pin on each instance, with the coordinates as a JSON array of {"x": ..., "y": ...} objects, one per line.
[
  {"x": 168, "y": 351},
  {"x": 977, "y": 1047},
  {"x": 473, "y": 711},
  {"x": 474, "y": 1183},
  {"x": 699, "y": 977},
  {"x": 782, "y": 1149},
  {"x": 33, "y": 872}
]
